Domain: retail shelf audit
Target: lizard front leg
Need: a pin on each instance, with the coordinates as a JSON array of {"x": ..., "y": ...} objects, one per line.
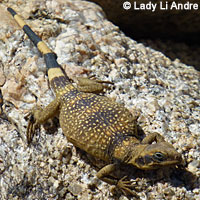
[
  {"x": 153, "y": 137},
  {"x": 39, "y": 116},
  {"x": 124, "y": 186}
]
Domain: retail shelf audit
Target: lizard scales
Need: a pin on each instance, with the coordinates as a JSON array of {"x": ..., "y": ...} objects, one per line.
[{"x": 96, "y": 124}]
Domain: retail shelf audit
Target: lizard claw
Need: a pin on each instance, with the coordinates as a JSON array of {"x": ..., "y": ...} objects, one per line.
[
  {"x": 32, "y": 123},
  {"x": 30, "y": 129},
  {"x": 126, "y": 186}
]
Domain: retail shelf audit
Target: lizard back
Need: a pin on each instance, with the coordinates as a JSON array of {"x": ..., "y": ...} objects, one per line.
[{"x": 95, "y": 124}]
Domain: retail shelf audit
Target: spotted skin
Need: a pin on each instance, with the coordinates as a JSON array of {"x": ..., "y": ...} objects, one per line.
[{"x": 96, "y": 124}]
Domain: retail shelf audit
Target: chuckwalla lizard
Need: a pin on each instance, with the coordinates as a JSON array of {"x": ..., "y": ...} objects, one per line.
[{"x": 96, "y": 124}]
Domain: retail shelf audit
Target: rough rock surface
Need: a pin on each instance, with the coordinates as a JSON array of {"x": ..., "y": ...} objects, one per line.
[
  {"x": 186, "y": 53},
  {"x": 163, "y": 92}
]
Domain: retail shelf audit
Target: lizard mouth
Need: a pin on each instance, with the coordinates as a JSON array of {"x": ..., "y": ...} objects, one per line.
[
  {"x": 167, "y": 163},
  {"x": 149, "y": 162},
  {"x": 177, "y": 161}
]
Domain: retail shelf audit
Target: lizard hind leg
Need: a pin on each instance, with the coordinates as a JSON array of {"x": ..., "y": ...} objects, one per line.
[
  {"x": 91, "y": 85},
  {"x": 38, "y": 116}
]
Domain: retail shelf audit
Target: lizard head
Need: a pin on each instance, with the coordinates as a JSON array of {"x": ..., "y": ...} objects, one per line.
[{"x": 156, "y": 155}]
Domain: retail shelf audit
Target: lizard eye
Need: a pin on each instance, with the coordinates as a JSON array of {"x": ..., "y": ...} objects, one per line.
[{"x": 159, "y": 156}]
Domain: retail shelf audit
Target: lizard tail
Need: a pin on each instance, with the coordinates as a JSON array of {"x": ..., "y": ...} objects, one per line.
[{"x": 57, "y": 78}]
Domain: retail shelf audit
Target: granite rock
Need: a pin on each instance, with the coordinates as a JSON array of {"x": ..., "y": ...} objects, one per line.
[{"x": 163, "y": 93}]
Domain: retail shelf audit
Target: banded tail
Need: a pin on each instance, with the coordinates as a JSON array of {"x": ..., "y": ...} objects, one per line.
[{"x": 57, "y": 78}]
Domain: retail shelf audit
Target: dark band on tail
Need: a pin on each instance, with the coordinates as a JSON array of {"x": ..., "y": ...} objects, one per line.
[
  {"x": 33, "y": 37},
  {"x": 12, "y": 12},
  {"x": 50, "y": 60}
]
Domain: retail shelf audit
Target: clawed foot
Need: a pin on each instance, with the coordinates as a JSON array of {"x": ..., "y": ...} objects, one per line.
[
  {"x": 92, "y": 85},
  {"x": 126, "y": 186},
  {"x": 153, "y": 137},
  {"x": 32, "y": 123}
]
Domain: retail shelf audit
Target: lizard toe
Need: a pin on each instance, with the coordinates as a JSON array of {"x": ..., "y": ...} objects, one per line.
[
  {"x": 30, "y": 129},
  {"x": 32, "y": 123},
  {"x": 126, "y": 187}
]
